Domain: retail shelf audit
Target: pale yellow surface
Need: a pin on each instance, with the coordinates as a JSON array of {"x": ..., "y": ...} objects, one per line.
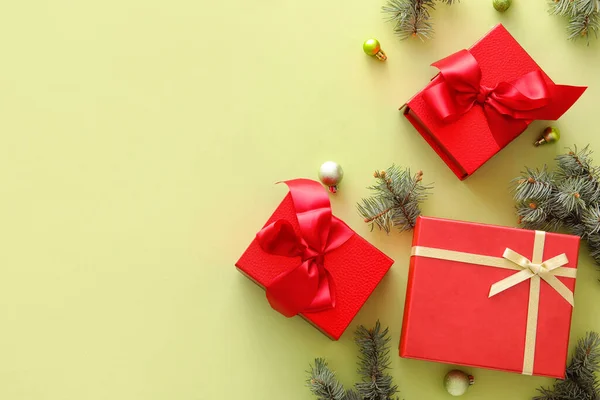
[{"x": 140, "y": 143}]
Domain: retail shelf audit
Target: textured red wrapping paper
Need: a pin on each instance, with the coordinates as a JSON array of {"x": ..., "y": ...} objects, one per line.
[
  {"x": 466, "y": 144},
  {"x": 356, "y": 267},
  {"x": 449, "y": 318}
]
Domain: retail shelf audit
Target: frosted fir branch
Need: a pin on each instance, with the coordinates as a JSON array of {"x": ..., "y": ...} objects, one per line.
[{"x": 397, "y": 195}]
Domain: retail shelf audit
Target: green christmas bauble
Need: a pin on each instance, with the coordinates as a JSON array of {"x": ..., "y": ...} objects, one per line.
[
  {"x": 550, "y": 135},
  {"x": 457, "y": 382},
  {"x": 502, "y": 5},
  {"x": 372, "y": 47}
]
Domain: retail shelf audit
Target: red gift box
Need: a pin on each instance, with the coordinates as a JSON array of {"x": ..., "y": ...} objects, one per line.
[
  {"x": 490, "y": 296},
  {"x": 311, "y": 263},
  {"x": 482, "y": 99}
]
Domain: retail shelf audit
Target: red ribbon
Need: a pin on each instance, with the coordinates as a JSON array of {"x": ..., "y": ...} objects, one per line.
[
  {"x": 308, "y": 287},
  {"x": 507, "y": 106}
]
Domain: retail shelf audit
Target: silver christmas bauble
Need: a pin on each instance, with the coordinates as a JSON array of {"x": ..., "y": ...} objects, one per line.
[
  {"x": 457, "y": 382},
  {"x": 331, "y": 174}
]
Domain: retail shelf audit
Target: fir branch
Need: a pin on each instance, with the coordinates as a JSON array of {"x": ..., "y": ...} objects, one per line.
[
  {"x": 580, "y": 382},
  {"x": 568, "y": 198},
  {"x": 533, "y": 184},
  {"x": 374, "y": 360},
  {"x": 412, "y": 17},
  {"x": 398, "y": 194},
  {"x": 352, "y": 395},
  {"x": 584, "y": 17},
  {"x": 323, "y": 383}
]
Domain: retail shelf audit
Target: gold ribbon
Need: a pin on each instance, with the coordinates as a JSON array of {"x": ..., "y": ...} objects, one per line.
[{"x": 535, "y": 270}]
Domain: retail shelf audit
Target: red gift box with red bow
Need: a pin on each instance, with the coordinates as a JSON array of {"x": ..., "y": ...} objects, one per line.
[
  {"x": 311, "y": 263},
  {"x": 490, "y": 296},
  {"x": 482, "y": 99}
]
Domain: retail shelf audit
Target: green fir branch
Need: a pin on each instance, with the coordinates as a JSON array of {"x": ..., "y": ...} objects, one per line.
[
  {"x": 584, "y": 17},
  {"x": 580, "y": 382},
  {"x": 397, "y": 195},
  {"x": 565, "y": 199},
  {"x": 323, "y": 382},
  {"x": 352, "y": 395},
  {"x": 374, "y": 360},
  {"x": 412, "y": 18}
]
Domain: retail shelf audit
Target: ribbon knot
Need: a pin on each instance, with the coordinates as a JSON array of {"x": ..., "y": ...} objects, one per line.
[
  {"x": 545, "y": 270},
  {"x": 308, "y": 287},
  {"x": 483, "y": 95},
  {"x": 535, "y": 268}
]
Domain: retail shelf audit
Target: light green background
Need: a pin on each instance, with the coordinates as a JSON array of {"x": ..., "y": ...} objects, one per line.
[{"x": 140, "y": 142}]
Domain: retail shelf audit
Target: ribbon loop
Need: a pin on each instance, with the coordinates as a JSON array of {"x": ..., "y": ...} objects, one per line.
[
  {"x": 506, "y": 105},
  {"x": 530, "y": 269},
  {"x": 308, "y": 287}
]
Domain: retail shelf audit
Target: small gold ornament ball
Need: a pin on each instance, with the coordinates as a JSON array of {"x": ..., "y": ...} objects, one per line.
[
  {"x": 502, "y": 5},
  {"x": 372, "y": 47},
  {"x": 457, "y": 382},
  {"x": 331, "y": 174},
  {"x": 550, "y": 135}
]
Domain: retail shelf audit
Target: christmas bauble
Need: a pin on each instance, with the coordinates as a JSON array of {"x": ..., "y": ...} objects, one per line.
[
  {"x": 502, "y": 5},
  {"x": 457, "y": 382},
  {"x": 331, "y": 174},
  {"x": 372, "y": 47},
  {"x": 550, "y": 135}
]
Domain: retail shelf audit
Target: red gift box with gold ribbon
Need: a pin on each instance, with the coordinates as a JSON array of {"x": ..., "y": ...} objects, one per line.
[
  {"x": 311, "y": 263},
  {"x": 482, "y": 99},
  {"x": 490, "y": 296}
]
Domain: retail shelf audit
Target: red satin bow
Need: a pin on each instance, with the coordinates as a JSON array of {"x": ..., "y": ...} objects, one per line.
[
  {"x": 507, "y": 106},
  {"x": 308, "y": 287}
]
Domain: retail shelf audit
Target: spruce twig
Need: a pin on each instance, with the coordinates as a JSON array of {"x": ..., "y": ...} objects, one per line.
[
  {"x": 412, "y": 18},
  {"x": 374, "y": 360},
  {"x": 568, "y": 198},
  {"x": 323, "y": 383},
  {"x": 398, "y": 194},
  {"x": 584, "y": 17},
  {"x": 580, "y": 382}
]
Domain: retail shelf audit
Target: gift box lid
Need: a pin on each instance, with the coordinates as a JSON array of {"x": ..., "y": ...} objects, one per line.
[
  {"x": 468, "y": 142},
  {"x": 450, "y": 318},
  {"x": 355, "y": 268}
]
